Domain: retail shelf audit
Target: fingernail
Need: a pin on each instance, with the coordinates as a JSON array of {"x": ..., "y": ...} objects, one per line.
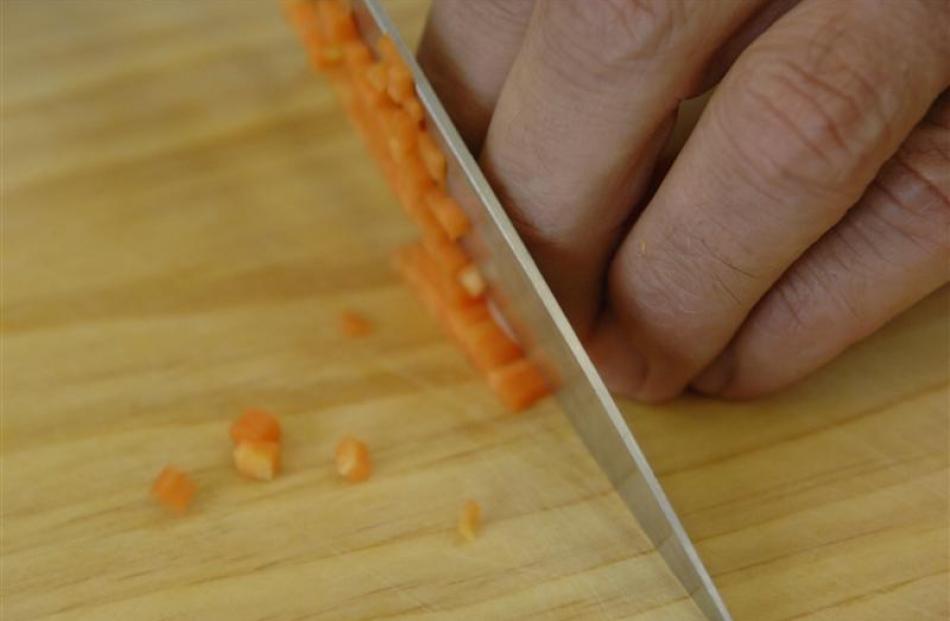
[{"x": 714, "y": 379}]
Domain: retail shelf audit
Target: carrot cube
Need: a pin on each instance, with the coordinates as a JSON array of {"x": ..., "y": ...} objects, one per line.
[
  {"x": 414, "y": 109},
  {"x": 432, "y": 157},
  {"x": 471, "y": 280},
  {"x": 518, "y": 384},
  {"x": 255, "y": 459},
  {"x": 337, "y": 21},
  {"x": 354, "y": 325},
  {"x": 400, "y": 86},
  {"x": 173, "y": 489},
  {"x": 446, "y": 254},
  {"x": 488, "y": 346},
  {"x": 448, "y": 213},
  {"x": 255, "y": 426},
  {"x": 470, "y": 520},
  {"x": 352, "y": 460}
]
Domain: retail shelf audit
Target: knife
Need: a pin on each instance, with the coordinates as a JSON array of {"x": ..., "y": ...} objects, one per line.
[{"x": 536, "y": 318}]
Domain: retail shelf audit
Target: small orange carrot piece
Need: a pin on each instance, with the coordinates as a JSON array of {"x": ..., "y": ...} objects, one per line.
[
  {"x": 448, "y": 213},
  {"x": 354, "y": 325},
  {"x": 387, "y": 50},
  {"x": 356, "y": 56},
  {"x": 518, "y": 384},
  {"x": 376, "y": 76},
  {"x": 173, "y": 489},
  {"x": 432, "y": 157},
  {"x": 488, "y": 346},
  {"x": 470, "y": 520},
  {"x": 460, "y": 319},
  {"x": 414, "y": 109},
  {"x": 255, "y": 426},
  {"x": 446, "y": 254},
  {"x": 402, "y": 134},
  {"x": 399, "y": 84},
  {"x": 337, "y": 21},
  {"x": 471, "y": 280},
  {"x": 257, "y": 459},
  {"x": 352, "y": 460}
]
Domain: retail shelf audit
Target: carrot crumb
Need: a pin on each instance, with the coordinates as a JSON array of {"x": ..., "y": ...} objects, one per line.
[
  {"x": 258, "y": 460},
  {"x": 173, "y": 489},
  {"x": 352, "y": 460},
  {"x": 470, "y": 520},
  {"x": 354, "y": 325}
]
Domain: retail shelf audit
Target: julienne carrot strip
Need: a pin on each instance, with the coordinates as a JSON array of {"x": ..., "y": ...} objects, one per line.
[
  {"x": 379, "y": 97},
  {"x": 173, "y": 489}
]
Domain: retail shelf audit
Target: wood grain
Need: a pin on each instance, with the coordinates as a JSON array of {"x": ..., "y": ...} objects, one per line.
[{"x": 185, "y": 215}]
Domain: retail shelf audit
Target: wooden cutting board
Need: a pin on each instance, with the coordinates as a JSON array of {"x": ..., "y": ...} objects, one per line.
[{"x": 185, "y": 215}]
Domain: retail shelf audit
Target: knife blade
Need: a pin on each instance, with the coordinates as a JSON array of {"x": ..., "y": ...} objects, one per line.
[{"x": 541, "y": 326}]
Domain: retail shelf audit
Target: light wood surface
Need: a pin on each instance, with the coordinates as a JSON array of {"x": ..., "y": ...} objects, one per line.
[{"x": 185, "y": 215}]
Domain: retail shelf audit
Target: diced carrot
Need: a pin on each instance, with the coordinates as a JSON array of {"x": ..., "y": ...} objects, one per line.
[
  {"x": 356, "y": 56},
  {"x": 488, "y": 346},
  {"x": 414, "y": 109},
  {"x": 337, "y": 21},
  {"x": 470, "y": 520},
  {"x": 448, "y": 213},
  {"x": 388, "y": 51},
  {"x": 376, "y": 76},
  {"x": 256, "y": 426},
  {"x": 402, "y": 134},
  {"x": 400, "y": 86},
  {"x": 518, "y": 384},
  {"x": 471, "y": 280},
  {"x": 174, "y": 489},
  {"x": 326, "y": 56},
  {"x": 460, "y": 319},
  {"x": 446, "y": 254},
  {"x": 354, "y": 325},
  {"x": 408, "y": 267},
  {"x": 414, "y": 183},
  {"x": 432, "y": 157},
  {"x": 352, "y": 460},
  {"x": 302, "y": 14},
  {"x": 257, "y": 459}
]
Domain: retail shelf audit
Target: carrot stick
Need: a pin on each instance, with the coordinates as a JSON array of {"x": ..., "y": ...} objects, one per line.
[
  {"x": 173, "y": 489},
  {"x": 518, "y": 384},
  {"x": 255, "y": 425}
]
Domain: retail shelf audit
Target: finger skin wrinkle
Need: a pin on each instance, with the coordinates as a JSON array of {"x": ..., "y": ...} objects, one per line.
[{"x": 607, "y": 35}]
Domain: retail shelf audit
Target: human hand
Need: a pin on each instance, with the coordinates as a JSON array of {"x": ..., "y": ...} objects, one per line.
[{"x": 810, "y": 205}]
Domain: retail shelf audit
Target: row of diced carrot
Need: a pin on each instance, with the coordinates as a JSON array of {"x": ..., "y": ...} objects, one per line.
[
  {"x": 257, "y": 436},
  {"x": 379, "y": 97}
]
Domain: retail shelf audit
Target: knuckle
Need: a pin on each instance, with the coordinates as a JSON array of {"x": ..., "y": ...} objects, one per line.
[
  {"x": 606, "y": 34},
  {"x": 916, "y": 194},
  {"x": 807, "y": 119}
]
